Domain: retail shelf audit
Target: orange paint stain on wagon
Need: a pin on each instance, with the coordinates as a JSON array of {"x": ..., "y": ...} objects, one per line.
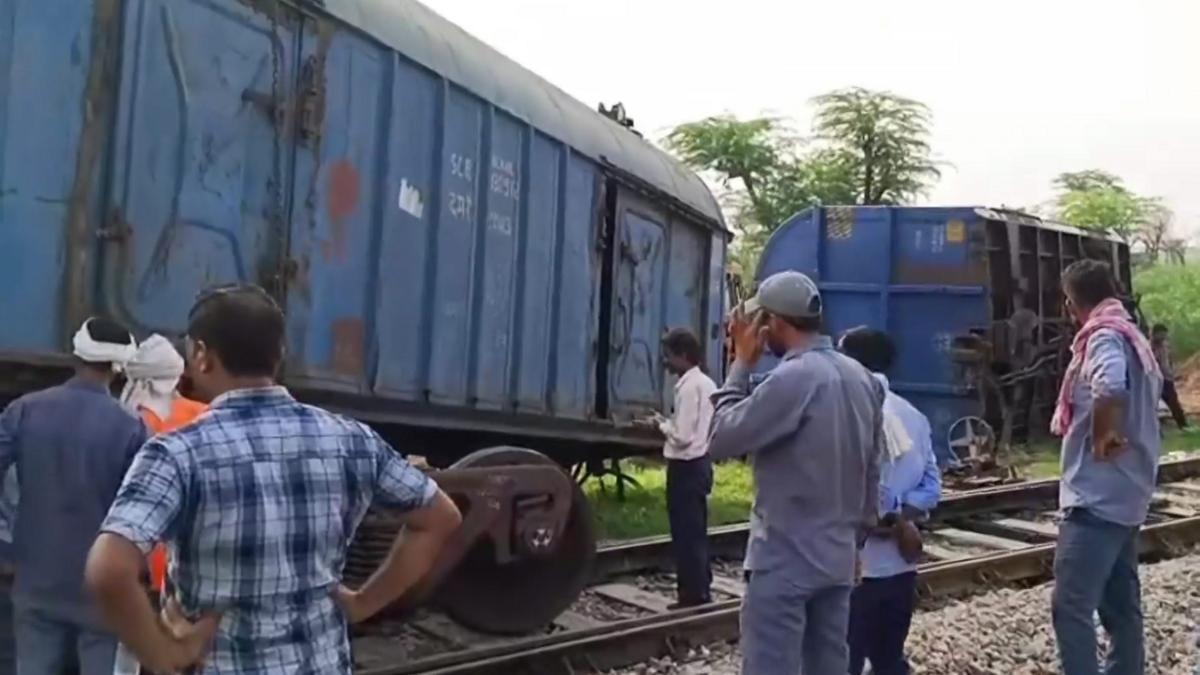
[{"x": 345, "y": 186}]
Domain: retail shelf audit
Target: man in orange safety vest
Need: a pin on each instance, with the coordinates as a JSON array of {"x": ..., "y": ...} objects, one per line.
[{"x": 153, "y": 391}]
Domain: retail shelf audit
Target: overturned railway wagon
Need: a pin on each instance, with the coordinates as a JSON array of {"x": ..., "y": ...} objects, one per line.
[
  {"x": 468, "y": 257},
  {"x": 971, "y": 297},
  {"x": 464, "y": 252}
]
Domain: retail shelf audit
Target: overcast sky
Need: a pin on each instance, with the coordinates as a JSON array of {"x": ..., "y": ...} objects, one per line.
[{"x": 1020, "y": 90}]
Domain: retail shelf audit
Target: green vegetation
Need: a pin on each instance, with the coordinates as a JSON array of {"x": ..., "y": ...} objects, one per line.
[
  {"x": 1041, "y": 459},
  {"x": 867, "y": 147},
  {"x": 643, "y": 513},
  {"x": 1171, "y": 295}
]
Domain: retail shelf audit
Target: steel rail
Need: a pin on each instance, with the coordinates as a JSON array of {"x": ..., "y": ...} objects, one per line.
[
  {"x": 728, "y": 541},
  {"x": 630, "y": 641}
]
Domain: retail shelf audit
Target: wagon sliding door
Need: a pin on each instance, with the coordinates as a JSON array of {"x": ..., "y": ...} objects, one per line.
[
  {"x": 197, "y": 196},
  {"x": 660, "y": 265}
]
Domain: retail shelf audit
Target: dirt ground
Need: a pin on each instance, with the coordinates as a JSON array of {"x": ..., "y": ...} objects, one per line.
[{"x": 1188, "y": 378}]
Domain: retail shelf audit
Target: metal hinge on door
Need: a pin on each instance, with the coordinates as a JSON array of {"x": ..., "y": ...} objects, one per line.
[
  {"x": 285, "y": 274},
  {"x": 115, "y": 229},
  {"x": 312, "y": 99}
]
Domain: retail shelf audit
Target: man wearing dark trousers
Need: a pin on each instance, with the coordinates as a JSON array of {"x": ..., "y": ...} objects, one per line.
[
  {"x": 881, "y": 607},
  {"x": 689, "y": 469},
  {"x": 1160, "y": 341}
]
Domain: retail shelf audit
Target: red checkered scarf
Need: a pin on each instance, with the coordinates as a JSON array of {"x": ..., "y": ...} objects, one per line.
[{"x": 1110, "y": 315}]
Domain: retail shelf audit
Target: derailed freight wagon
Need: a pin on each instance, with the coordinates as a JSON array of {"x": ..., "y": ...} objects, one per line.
[
  {"x": 458, "y": 244},
  {"x": 971, "y": 297},
  {"x": 467, "y": 256}
]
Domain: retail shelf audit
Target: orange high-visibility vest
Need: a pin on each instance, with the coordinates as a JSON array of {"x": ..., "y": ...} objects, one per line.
[{"x": 183, "y": 412}]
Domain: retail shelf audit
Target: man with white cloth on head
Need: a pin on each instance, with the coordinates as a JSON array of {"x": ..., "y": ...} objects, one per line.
[
  {"x": 152, "y": 387},
  {"x": 152, "y": 392},
  {"x": 71, "y": 446}
]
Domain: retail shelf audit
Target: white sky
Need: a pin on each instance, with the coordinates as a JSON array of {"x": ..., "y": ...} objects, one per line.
[{"x": 1020, "y": 90}]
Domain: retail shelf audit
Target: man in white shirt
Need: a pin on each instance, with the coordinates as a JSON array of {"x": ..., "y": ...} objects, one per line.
[{"x": 689, "y": 469}]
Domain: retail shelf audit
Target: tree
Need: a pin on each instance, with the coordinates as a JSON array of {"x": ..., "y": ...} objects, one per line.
[
  {"x": 1098, "y": 200},
  {"x": 767, "y": 172},
  {"x": 1155, "y": 230},
  {"x": 869, "y": 148},
  {"x": 885, "y": 137},
  {"x": 746, "y": 152},
  {"x": 1087, "y": 181}
]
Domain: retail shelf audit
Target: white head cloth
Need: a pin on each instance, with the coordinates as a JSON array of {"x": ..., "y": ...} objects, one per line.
[
  {"x": 92, "y": 351},
  {"x": 153, "y": 373},
  {"x": 894, "y": 434}
]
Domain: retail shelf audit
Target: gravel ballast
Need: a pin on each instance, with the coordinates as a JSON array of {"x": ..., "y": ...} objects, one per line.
[{"x": 1007, "y": 632}]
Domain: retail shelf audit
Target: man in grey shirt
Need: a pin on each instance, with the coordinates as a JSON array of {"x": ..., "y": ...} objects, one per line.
[
  {"x": 1107, "y": 416},
  {"x": 813, "y": 431}
]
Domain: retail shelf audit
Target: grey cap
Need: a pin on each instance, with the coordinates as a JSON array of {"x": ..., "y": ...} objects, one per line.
[{"x": 789, "y": 294}]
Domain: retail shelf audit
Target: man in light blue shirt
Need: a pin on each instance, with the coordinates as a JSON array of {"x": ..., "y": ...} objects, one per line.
[
  {"x": 1107, "y": 415},
  {"x": 813, "y": 431},
  {"x": 882, "y": 605}
]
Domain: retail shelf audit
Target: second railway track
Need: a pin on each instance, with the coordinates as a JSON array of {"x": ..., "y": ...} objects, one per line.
[{"x": 977, "y": 539}]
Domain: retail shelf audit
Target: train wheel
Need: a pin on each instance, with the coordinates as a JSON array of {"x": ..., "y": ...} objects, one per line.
[
  {"x": 971, "y": 439},
  {"x": 528, "y": 594}
]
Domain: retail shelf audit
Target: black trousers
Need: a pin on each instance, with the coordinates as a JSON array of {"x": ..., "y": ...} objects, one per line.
[
  {"x": 688, "y": 485},
  {"x": 1170, "y": 396},
  {"x": 880, "y": 613}
]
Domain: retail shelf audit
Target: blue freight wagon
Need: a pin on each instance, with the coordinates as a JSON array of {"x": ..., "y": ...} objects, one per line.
[
  {"x": 466, "y": 254},
  {"x": 970, "y": 295}
]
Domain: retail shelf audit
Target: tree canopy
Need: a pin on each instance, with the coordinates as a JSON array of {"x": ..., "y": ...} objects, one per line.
[
  {"x": 886, "y": 138},
  {"x": 1100, "y": 201},
  {"x": 867, "y": 148}
]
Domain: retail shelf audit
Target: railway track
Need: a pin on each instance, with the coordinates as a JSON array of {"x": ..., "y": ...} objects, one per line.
[{"x": 982, "y": 538}]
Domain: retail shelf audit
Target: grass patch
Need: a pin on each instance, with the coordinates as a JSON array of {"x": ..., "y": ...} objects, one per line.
[
  {"x": 1041, "y": 460},
  {"x": 643, "y": 513}
]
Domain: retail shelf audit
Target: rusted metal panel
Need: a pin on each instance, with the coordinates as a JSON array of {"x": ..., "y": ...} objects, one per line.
[
  {"x": 198, "y": 166},
  {"x": 429, "y": 40},
  {"x": 947, "y": 283},
  {"x": 459, "y": 238},
  {"x": 660, "y": 265},
  {"x": 55, "y": 96},
  {"x": 431, "y": 232}
]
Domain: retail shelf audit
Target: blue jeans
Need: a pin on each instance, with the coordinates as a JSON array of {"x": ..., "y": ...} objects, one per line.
[
  {"x": 1096, "y": 568},
  {"x": 48, "y": 644},
  {"x": 788, "y": 630}
]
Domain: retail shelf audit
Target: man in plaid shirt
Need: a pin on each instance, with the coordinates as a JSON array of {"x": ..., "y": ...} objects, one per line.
[{"x": 257, "y": 501}]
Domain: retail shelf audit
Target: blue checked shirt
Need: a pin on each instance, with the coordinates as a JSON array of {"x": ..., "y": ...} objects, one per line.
[{"x": 257, "y": 501}]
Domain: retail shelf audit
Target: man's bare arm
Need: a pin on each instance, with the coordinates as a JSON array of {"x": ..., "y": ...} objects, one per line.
[
  {"x": 410, "y": 559},
  {"x": 1108, "y": 433},
  {"x": 112, "y": 577}
]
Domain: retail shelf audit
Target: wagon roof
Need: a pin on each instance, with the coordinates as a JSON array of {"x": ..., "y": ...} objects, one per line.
[
  {"x": 422, "y": 35},
  {"x": 1010, "y": 215}
]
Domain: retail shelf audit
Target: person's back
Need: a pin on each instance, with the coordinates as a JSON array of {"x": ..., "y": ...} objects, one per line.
[
  {"x": 71, "y": 445},
  {"x": 276, "y": 490},
  {"x": 257, "y": 501},
  {"x": 812, "y": 486}
]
